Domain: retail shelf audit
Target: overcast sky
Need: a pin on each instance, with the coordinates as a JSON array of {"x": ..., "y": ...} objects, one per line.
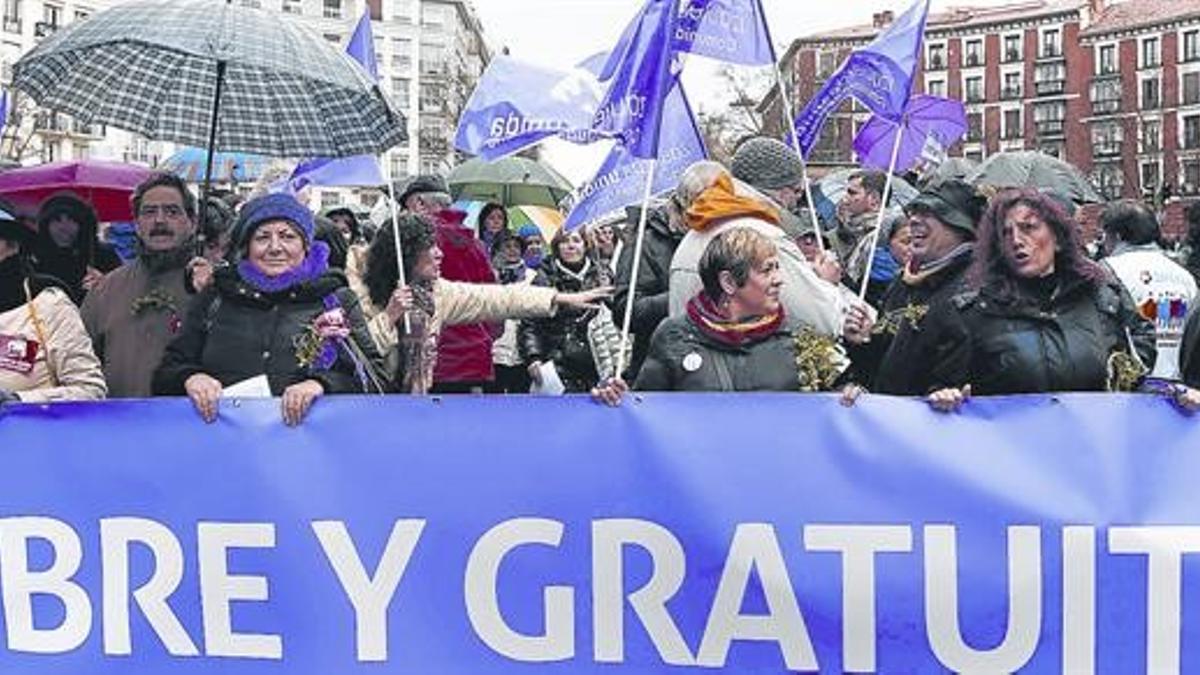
[{"x": 564, "y": 32}]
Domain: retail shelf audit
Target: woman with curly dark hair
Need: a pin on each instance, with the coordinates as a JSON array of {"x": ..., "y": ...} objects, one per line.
[
  {"x": 406, "y": 320},
  {"x": 1036, "y": 315}
]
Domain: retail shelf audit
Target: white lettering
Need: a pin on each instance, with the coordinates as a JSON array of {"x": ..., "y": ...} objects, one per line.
[
  {"x": 20, "y": 584},
  {"x": 218, "y": 589}
]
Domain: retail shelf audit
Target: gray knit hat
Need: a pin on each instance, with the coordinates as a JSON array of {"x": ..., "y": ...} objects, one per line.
[{"x": 766, "y": 164}]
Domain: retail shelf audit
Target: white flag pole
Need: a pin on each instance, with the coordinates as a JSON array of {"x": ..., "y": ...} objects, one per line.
[
  {"x": 637, "y": 263},
  {"x": 887, "y": 193},
  {"x": 401, "y": 281},
  {"x": 790, "y": 125}
]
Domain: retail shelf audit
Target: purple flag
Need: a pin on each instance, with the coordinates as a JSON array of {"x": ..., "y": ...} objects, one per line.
[
  {"x": 879, "y": 76},
  {"x": 638, "y": 73},
  {"x": 621, "y": 180},
  {"x": 734, "y": 31},
  {"x": 361, "y": 47}
]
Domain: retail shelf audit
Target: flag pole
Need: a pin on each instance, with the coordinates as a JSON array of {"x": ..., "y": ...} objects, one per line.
[
  {"x": 637, "y": 263},
  {"x": 401, "y": 281},
  {"x": 887, "y": 193},
  {"x": 790, "y": 124}
]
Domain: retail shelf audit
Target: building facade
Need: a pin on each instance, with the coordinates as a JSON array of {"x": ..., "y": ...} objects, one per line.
[
  {"x": 430, "y": 53},
  {"x": 1102, "y": 86}
]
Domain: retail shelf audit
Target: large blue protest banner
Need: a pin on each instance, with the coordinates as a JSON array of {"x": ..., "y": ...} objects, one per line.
[{"x": 678, "y": 533}]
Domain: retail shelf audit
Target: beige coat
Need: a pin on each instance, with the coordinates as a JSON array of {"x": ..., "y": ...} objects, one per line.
[
  {"x": 76, "y": 370},
  {"x": 455, "y": 302}
]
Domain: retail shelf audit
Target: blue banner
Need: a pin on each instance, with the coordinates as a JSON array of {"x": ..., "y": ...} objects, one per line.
[{"x": 757, "y": 533}]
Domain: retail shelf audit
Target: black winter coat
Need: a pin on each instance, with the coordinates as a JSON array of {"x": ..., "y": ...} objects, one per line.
[
  {"x": 651, "y": 301},
  {"x": 906, "y": 341},
  {"x": 563, "y": 338},
  {"x": 1026, "y": 345},
  {"x": 234, "y": 332},
  {"x": 683, "y": 358},
  {"x": 1189, "y": 351}
]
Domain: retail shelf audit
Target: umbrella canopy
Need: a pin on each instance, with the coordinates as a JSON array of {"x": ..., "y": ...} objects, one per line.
[
  {"x": 107, "y": 186},
  {"x": 930, "y": 124},
  {"x": 547, "y": 220},
  {"x": 159, "y": 67},
  {"x": 228, "y": 167},
  {"x": 1034, "y": 169},
  {"x": 511, "y": 181},
  {"x": 950, "y": 168}
]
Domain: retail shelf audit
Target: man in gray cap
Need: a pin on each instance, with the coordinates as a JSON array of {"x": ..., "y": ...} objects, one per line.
[{"x": 772, "y": 168}]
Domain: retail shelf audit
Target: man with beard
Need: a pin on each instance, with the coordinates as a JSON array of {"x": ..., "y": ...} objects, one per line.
[{"x": 134, "y": 311}]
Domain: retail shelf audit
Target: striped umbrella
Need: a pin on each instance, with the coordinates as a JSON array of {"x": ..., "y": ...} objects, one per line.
[{"x": 547, "y": 220}]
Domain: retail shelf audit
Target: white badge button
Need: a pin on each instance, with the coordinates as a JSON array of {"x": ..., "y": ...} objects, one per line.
[{"x": 692, "y": 362}]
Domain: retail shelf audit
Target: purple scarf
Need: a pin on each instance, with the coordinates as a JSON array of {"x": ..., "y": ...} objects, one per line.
[{"x": 311, "y": 268}]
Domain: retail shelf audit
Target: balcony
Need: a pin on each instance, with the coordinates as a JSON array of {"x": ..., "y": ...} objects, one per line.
[
  {"x": 972, "y": 61},
  {"x": 974, "y": 97},
  {"x": 1051, "y": 128},
  {"x": 1050, "y": 87},
  {"x": 1107, "y": 149},
  {"x": 1108, "y": 106},
  {"x": 1051, "y": 54},
  {"x": 1010, "y": 93},
  {"x": 1012, "y": 55},
  {"x": 1151, "y": 103},
  {"x": 12, "y": 24},
  {"x": 936, "y": 63},
  {"x": 50, "y": 124}
]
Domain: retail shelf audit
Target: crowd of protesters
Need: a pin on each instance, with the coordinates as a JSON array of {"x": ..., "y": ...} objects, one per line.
[{"x": 738, "y": 288}]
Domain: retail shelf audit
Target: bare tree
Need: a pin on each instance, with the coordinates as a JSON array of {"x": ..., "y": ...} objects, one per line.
[
  {"x": 20, "y": 138},
  {"x": 737, "y": 116}
]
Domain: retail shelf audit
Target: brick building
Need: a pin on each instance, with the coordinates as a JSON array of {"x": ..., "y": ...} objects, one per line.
[{"x": 1113, "y": 88}]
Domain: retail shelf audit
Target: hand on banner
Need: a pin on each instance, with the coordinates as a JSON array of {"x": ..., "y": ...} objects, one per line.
[
  {"x": 850, "y": 394},
  {"x": 610, "y": 391},
  {"x": 949, "y": 399},
  {"x": 1186, "y": 399},
  {"x": 535, "y": 372},
  {"x": 201, "y": 271},
  {"x": 856, "y": 328},
  {"x": 589, "y": 299},
  {"x": 400, "y": 303},
  {"x": 205, "y": 393},
  {"x": 298, "y": 398}
]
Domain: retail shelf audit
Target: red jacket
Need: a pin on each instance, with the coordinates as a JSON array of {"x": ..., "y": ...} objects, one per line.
[{"x": 464, "y": 352}]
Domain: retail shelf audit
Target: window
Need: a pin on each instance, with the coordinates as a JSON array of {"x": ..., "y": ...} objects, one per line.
[
  {"x": 431, "y": 15},
  {"x": 1012, "y": 86},
  {"x": 974, "y": 89},
  {"x": 974, "y": 127},
  {"x": 292, "y": 7},
  {"x": 826, "y": 64},
  {"x": 1151, "y": 136},
  {"x": 937, "y": 57},
  {"x": 1150, "y": 178},
  {"x": 53, "y": 151},
  {"x": 1106, "y": 96},
  {"x": 1150, "y": 97},
  {"x": 1048, "y": 117},
  {"x": 80, "y": 14},
  {"x": 1191, "y": 88},
  {"x": 1108, "y": 60},
  {"x": 1050, "y": 78},
  {"x": 1191, "y": 45},
  {"x": 400, "y": 92},
  {"x": 402, "y": 10},
  {"x": 332, "y": 9},
  {"x": 937, "y": 88},
  {"x": 1150, "y": 53},
  {"x": 974, "y": 53},
  {"x": 1191, "y": 132},
  {"x": 1051, "y": 44},
  {"x": 432, "y": 97},
  {"x": 1106, "y": 139},
  {"x": 1191, "y": 176},
  {"x": 51, "y": 15},
  {"x": 1012, "y": 124},
  {"x": 12, "y": 16},
  {"x": 1012, "y": 48},
  {"x": 401, "y": 53}
]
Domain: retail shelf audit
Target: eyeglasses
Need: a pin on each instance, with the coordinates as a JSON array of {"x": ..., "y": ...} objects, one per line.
[{"x": 171, "y": 211}]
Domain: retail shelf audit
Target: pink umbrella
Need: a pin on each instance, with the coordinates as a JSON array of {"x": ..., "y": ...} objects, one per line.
[{"x": 107, "y": 186}]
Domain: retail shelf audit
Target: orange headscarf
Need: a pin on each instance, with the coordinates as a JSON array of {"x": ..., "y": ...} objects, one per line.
[{"x": 719, "y": 202}]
